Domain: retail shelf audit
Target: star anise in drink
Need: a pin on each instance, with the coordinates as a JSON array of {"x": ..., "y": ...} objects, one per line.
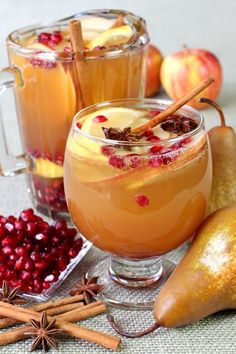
[
  {"x": 43, "y": 330},
  {"x": 119, "y": 134},
  {"x": 179, "y": 125},
  {"x": 11, "y": 296},
  {"x": 88, "y": 287}
]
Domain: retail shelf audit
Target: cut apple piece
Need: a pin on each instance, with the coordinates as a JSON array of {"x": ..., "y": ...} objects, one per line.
[
  {"x": 47, "y": 169},
  {"x": 113, "y": 36},
  {"x": 95, "y": 23}
]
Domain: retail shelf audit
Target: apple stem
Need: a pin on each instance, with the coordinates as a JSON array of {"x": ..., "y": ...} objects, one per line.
[{"x": 216, "y": 106}]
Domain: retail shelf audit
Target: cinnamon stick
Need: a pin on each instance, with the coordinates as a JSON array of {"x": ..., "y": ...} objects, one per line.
[
  {"x": 174, "y": 106},
  {"x": 77, "y": 44},
  {"x": 62, "y": 305},
  {"x": 20, "y": 333},
  {"x": 83, "y": 314},
  {"x": 24, "y": 315}
]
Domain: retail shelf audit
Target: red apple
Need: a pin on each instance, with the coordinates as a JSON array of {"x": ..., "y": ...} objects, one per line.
[
  {"x": 181, "y": 71},
  {"x": 153, "y": 70}
]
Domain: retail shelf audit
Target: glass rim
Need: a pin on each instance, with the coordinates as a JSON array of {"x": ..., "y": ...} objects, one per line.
[
  {"x": 144, "y": 101},
  {"x": 89, "y": 54}
]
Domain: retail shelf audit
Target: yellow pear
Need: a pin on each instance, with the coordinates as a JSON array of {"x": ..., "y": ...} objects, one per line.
[
  {"x": 223, "y": 147},
  {"x": 204, "y": 282}
]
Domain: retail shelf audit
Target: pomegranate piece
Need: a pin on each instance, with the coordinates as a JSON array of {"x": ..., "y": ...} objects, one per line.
[
  {"x": 100, "y": 119},
  {"x": 33, "y": 253},
  {"x": 108, "y": 150},
  {"x": 117, "y": 161},
  {"x": 148, "y": 132},
  {"x": 142, "y": 200},
  {"x": 155, "y": 149},
  {"x": 153, "y": 138},
  {"x": 133, "y": 160}
]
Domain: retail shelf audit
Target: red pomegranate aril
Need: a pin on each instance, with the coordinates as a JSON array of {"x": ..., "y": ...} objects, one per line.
[
  {"x": 36, "y": 274},
  {"x": 41, "y": 237},
  {"x": 7, "y": 250},
  {"x": 46, "y": 285},
  {"x": 108, "y": 150},
  {"x": 21, "y": 251},
  {"x": 11, "y": 219},
  {"x": 155, "y": 149},
  {"x": 51, "y": 278},
  {"x": 117, "y": 161},
  {"x": 44, "y": 37},
  {"x": 27, "y": 215},
  {"x": 176, "y": 146},
  {"x": 62, "y": 264},
  {"x": 19, "y": 225},
  {"x": 132, "y": 160},
  {"x": 99, "y": 47},
  {"x": 56, "y": 37},
  {"x": 186, "y": 141},
  {"x": 153, "y": 138},
  {"x": 3, "y": 220},
  {"x": 9, "y": 227},
  {"x": 2, "y": 259},
  {"x": 35, "y": 256},
  {"x": 142, "y": 200},
  {"x": 155, "y": 161},
  {"x": 60, "y": 225},
  {"x": 2, "y": 232},
  {"x": 25, "y": 275},
  {"x": 31, "y": 228},
  {"x": 167, "y": 160},
  {"x": 72, "y": 253},
  {"x": 3, "y": 267},
  {"x": 19, "y": 236},
  {"x": 78, "y": 244},
  {"x": 10, "y": 241},
  {"x": 13, "y": 257},
  {"x": 20, "y": 263},
  {"x": 41, "y": 264},
  {"x": 29, "y": 265},
  {"x": 148, "y": 132},
  {"x": 153, "y": 113},
  {"x": 99, "y": 119}
]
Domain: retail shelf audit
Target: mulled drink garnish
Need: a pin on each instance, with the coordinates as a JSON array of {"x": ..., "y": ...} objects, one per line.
[
  {"x": 179, "y": 125},
  {"x": 11, "y": 296},
  {"x": 88, "y": 287}
]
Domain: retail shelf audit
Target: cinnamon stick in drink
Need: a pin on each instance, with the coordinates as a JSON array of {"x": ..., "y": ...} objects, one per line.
[
  {"x": 174, "y": 106},
  {"x": 77, "y": 44},
  {"x": 24, "y": 315}
]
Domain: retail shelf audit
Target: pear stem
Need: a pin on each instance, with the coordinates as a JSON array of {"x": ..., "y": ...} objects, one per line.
[
  {"x": 216, "y": 106},
  {"x": 123, "y": 333},
  {"x": 174, "y": 106}
]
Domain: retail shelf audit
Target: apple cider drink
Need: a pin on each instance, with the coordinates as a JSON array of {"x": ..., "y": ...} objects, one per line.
[
  {"x": 137, "y": 197},
  {"x": 52, "y": 89}
]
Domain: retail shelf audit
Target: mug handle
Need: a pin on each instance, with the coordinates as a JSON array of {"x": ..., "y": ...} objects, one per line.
[{"x": 10, "y": 165}]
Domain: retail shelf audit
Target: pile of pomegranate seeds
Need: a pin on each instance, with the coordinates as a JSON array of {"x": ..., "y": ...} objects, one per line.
[{"x": 33, "y": 253}]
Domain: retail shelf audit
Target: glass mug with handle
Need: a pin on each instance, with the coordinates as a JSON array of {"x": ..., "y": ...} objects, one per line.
[{"x": 49, "y": 90}]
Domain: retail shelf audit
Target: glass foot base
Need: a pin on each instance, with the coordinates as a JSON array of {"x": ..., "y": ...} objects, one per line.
[{"x": 126, "y": 293}]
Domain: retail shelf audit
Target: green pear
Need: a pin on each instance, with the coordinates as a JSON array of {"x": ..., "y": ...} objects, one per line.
[
  {"x": 223, "y": 148},
  {"x": 204, "y": 282}
]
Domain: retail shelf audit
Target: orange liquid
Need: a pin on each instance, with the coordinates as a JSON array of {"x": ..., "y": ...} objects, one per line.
[
  {"x": 101, "y": 201},
  {"x": 49, "y": 99}
]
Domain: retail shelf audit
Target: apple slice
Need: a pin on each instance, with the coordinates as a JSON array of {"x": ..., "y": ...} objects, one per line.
[
  {"x": 96, "y": 24},
  {"x": 47, "y": 169},
  {"x": 113, "y": 36}
]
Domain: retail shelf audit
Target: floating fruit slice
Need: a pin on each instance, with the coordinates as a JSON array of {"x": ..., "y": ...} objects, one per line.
[
  {"x": 113, "y": 36},
  {"x": 47, "y": 169},
  {"x": 95, "y": 23}
]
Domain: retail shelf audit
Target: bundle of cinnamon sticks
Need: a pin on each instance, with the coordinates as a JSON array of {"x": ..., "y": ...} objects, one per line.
[{"x": 66, "y": 311}]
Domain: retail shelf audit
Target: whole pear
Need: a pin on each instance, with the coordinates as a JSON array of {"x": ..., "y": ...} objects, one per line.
[
  {"x": 204, "y": 282},
  {"x": 223, "y": 147}
]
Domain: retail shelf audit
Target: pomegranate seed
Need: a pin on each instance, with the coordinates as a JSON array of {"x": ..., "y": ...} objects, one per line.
[
  {"x": 167, "y": 160},
  {"x": 156, "y": 149},
  {"x": 154, "y": 113},
  {"x": 20, "y": 236},
  {"x": 155, "y": 161},
  {"x": 7, "y": 250},
  {"x": 153, "y": 138},
  {"x": 61, "y": 225},
  {"x": 62, "y": 264},
  {"x": 133, "y": 160},
  {"x": 41, "y": 264},
  {"x": 44, "y": 37},
  {"x": 28, "y": 265},
  {"x": 186, "y": 141},
  {"x": 25, "y": 275},
  {"x": 9, "y": 241},
  {"x": 176, "y": 146},
  {"x": 72, "y": 253},
  {"x": 27, "y": 215},
  {"x": 78, "y": 244},
  {"x": 2, "y": 232},
  {"x": 108, "y": 150},
  {"x": 46, "y": 285},
  {"x": 117, "y": 161},
  {"x": 31, "y": 228},
  {"x": 41, "y": 237},
  {"x": 11, "y": 219},
  {"x": 141, "y": 200},
  {"x": 20, "y": 263},
  {"x": 99, "y": 119},
  {"x": 99, "y": 47},
  {"x": 2, "y": 259},
  {"x": 21, "y": 251},
  {"x": 13, "y": 257},
  {"x": 3, "y": 220},
  {"x": 56, "y": 37},
  {"x": 9, "y": 227},
  {"x": 148, "y": 132},
  {"x": 19, "y": 225}
]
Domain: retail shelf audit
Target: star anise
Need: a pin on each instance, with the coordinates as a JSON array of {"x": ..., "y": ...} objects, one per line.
[
  {"x": 179, "y": 125},
  {"x": 43, "y": 330},
  {"x": 118, "y": 134},
  {"x": 88, "y": 287},
  {"x": 10, "y": 296}
]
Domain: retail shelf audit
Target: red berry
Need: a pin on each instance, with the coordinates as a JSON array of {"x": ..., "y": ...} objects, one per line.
[
  {"x": 27, "y": 215},
  {"x": 133, "y": 160},
  {"x": 25, "y": 275},
  {"x": 9, "y": 227},
  {"x": 72, "y": 253},
  {"x": 154, "y": 113},
  {"x": 148, "y": 132},
  {"x": 108, "y": 150},
  {"x": 155, "y": 161},
  {"x": 141, "y": 200},
  {"x": 99, "y": 119}
]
